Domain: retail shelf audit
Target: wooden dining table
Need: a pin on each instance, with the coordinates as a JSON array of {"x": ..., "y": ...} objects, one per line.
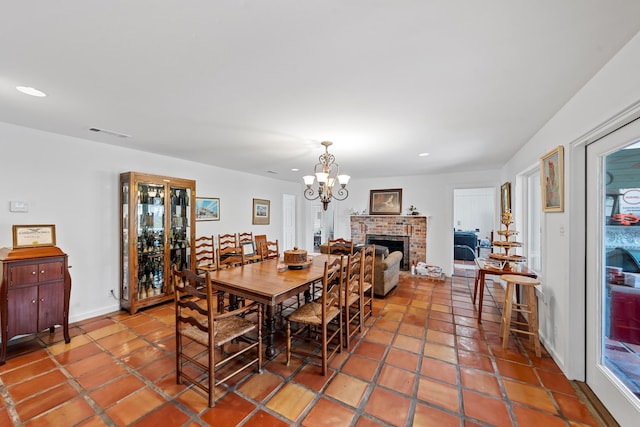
[
  {"x": 263, "y": 283},
  {"x": 485, "y": 270}
]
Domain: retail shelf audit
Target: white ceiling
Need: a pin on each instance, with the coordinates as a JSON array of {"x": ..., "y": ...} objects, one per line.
[{"x": 256, "y": 85}]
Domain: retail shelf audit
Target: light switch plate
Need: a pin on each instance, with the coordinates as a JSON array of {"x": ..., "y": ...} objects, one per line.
[{"x": 18, "y": 206}]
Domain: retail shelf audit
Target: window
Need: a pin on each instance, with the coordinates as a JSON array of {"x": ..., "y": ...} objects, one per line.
[{"x": 533, "y": 217}]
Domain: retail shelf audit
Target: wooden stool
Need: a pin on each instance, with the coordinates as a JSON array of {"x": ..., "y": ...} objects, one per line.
[{"x": 530, "y": 306}]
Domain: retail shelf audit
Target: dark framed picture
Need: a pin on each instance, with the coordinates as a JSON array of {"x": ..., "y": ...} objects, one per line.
[
  {"x": 207, "y": 209},
  {"x": 505, "y": 197},
  {"x": 552, "y": 180},
  {"x": 385, "y": 202},
  {"x": 261, "y": 211}
]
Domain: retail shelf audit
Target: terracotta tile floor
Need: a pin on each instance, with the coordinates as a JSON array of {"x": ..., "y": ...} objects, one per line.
[{"x": 423, "y": 361}]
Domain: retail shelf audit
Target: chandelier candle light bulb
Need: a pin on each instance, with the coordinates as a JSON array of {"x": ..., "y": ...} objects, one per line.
[{"x": 326, "y": 171}]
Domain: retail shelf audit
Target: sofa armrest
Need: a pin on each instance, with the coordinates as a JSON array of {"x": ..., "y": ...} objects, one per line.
[
  {"x": 386, "y": 273},
  {"x": 392, "y": 260}
]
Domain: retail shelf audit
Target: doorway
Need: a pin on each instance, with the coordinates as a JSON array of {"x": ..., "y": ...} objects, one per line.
[
  {"x": 613, "y": 249},
  {"x": 474, "y": 216}
]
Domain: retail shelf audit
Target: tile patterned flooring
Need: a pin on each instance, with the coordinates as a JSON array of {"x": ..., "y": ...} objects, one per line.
[{"x": 422, "y": 361}]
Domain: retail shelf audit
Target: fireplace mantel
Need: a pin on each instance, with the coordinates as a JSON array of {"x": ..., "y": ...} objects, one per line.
[{"x": 412, "y": 226}]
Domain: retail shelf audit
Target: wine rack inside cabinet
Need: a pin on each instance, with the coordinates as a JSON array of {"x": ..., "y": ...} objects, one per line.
[{"x": 157, "y": 226}]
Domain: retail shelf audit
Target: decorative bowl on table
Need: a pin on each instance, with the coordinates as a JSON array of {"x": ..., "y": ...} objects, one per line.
[{"x": 296, "y": 259}]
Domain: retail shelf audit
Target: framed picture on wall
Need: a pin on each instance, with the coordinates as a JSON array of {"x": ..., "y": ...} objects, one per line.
[
  {"x": 505, "y": 198},
  {"x": 385, "y": 202},
  {"x": 261, "y": 211},
  {"x": 552, "y": 180},
  {"x": 207, "y": 209}
]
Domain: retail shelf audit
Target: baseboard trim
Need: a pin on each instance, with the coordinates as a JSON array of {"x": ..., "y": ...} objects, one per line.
[{"x": 597, "y": 409}]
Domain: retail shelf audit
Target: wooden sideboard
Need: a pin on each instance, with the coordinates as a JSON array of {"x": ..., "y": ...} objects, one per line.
[{"x": 34, "y": 292}]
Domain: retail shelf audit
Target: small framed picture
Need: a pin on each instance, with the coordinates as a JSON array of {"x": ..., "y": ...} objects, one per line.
[
  {"x": 261, "y": 211},
  {"x": 385, "y": 202},
  {"x": 31, "y": 236},
  {"x": 505, "y": 197},
  {"x": 552, "y": 180},
  {"x": 207, "y": 209},
  {"x": 248, "y": 249}
]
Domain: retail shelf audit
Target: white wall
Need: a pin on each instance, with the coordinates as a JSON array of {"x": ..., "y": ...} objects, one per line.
[
  {"x": 614, "y": 89},
  {"x": 73, "y": 183}
]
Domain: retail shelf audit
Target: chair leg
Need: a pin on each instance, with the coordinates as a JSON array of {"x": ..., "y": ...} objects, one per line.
[{"x": 288, "y": 342}]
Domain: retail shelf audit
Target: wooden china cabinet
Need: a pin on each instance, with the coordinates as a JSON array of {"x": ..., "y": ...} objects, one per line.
[
  {"x": 157, "y": 224},
  {"x": 34, "y": 292}
]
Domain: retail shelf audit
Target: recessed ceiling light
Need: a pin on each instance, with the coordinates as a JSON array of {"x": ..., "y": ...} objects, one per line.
[
  {"x": 295, "y": 170},
  {"x": 423, "y": 154},
  {"x": 31, "y": 91}
]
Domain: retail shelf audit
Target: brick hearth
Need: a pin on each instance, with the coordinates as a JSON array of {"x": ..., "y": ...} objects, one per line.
[{"x": 414, "y": 227}]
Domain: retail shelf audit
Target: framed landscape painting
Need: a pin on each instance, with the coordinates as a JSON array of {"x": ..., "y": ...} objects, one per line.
[
  {"x": 385, "y": 202},
  {"x": 207, "y": 209},
  {"x": 261, "y": 212}
]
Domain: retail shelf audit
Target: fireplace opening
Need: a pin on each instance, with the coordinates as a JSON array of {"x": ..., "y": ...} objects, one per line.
[{"x": 394, "y": 243}]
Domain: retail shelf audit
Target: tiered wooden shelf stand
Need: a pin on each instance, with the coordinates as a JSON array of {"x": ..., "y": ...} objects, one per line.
[{"x": 507, "y": 244}]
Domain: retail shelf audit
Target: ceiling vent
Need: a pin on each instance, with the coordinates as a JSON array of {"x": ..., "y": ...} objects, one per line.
[{"x": 110, "y": 132}]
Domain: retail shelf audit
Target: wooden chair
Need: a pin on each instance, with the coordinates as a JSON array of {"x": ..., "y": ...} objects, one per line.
[
  {"x": 245, "y": 241},
  {"x": 259, "y": 240},
  {"x": 205, "y": 254},
  {"x": 368, "y": 272},
  {"x": 208, "y": 343},
  {"x": 340, "y": 246},
  {"x": 270, "y": 250},
  {"x": 229, "y": 253},
  {"x": 320, "y": 322},
  {"x": 352, "y": 314}
]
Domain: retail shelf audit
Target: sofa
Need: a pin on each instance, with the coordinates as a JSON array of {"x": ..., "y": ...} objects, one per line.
[
  {"x": 386, "y": 269},
  {"x": 462, "y": 242}
]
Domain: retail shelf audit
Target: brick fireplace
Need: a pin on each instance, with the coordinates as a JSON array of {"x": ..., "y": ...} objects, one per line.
[{"x": 398, "y": 232}]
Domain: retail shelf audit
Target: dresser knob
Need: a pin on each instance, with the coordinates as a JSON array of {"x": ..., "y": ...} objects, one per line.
[
  {"x": 42, "y": 272},
  {"x": 34, "y": 273},
  {"x": 33, "y": 301}
]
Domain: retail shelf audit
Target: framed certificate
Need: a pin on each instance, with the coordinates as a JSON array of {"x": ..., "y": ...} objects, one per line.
[{"x": 31, "y": 236}]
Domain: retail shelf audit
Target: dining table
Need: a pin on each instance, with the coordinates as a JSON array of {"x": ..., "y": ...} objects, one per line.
[
  {"x": 485, "y": 269},
  {"x": 269, "y": 284}
]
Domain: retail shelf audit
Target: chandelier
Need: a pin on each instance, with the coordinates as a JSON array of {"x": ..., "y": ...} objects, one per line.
[{"x": 327, "y": 172}]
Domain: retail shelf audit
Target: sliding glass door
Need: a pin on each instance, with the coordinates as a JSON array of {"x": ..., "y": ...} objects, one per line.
[{"x": 613, "y": 272}]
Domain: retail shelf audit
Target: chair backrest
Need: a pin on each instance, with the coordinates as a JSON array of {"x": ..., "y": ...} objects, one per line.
[
  {"x": 205, "y": 251},
  {"x": 259, "y": 240},
  {"x": 368, "y": 258},
  {"x": 270, "y": 250},
  {"x": 353, "y": 276},
  {"x": 332, "y": 283},
  {"x": 245, "y": 237},
  {"x": 193, "y": 305},
  {"x": 230, "y": 254},
  {"x": 340, "y": 246},
  {"x": 225, "y": 240}
]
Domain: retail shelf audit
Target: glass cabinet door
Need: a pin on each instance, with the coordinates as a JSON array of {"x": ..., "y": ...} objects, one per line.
[
  {"x": 179, "y": 245},
  {"x": 124, "y": 293},
  {"x": 151, "y": 232}
]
